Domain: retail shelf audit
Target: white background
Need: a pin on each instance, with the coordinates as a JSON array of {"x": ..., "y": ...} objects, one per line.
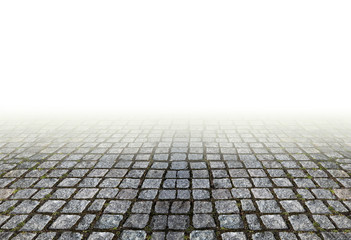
[{"x": 175, "y": 56}]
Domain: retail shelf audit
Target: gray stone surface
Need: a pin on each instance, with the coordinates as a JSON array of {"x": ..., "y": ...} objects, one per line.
[
  {"x": 203, "y": 221},
  {"x": 120, "y": 179},
  {"x": 232, "y": 221},
  {"x": 301, "y": 223},
  {"x": 133, "y": 235},
  {"x": 273, "y": 222},
  {"x": 202, "y": 235},
  {"x": 233, "y": 236},
  {"x": 108, "y": 221},
  {"x": 101, "y": 236},
  {"x": 64, "y": 222},
  {"x": 136, "y": 221},
  {"x": 36, "y": 223}
]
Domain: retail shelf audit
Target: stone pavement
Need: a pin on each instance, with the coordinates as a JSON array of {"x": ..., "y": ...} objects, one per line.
[{"x": 211, "y": 179}]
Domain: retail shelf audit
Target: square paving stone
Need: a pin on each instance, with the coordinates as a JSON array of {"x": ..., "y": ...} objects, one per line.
[
  {"x": 159, "y": 222},
  {"x": 338, "y": 206},
  {"x": 131, "y": 234},
  {"x": 238, "y": 173},
  {"x": 169, "y": 183},
  {"x": 309, "y": 236},
  {"x": 136, "y": 221},
  {"x": 247, "y": 205},
  {"x": 51, "y": 206},
  {"x": 26, "y": 206},
  {"x": 292, "y": 206},
  {"x": 273, "y": 222},
  {"x": 142, "y": 207},
  {"x": 41, "y": 194},
  {"x": 183, "y": 183},
  {"x": 75, "y": 206},
  {"x": 71, "y": 236},
  {"x": 183, "y": 174},
  {"x": 101, "y": 236},
  {"x": 36, "y": 223},
  {"x": 219, "y": 173},
  {"x": 135, "y": 173},
  {"x": 69, "y": 182},
  {"x": 158, "y": 236},
  {"x": 46, "y": 236},
  {"x": 178, "y": 222},
  {"x": 304, "y": 183},
  {"x": 253, "y": 222},
  {"x": 85, "y": 222},
  {"x": 241, "y": 182},
  {"x": 263, "y": 236},
  {"x": 202, "y": 235},
  {"x": 89, "y": 182},
  {"x": 262, "y": 182},
  {"x": 282, "y": 182},
  {"x": 14, "y": 221},
  {"x": 127, "y": 194},
  {"x": 343, "y": 193},
  {"x": 227, "y": 206},
  {"x": 323, "y": 194},
  {"x": 336, "y": 235},
  {"x": 200, "y": 194},
  {"x": 118, "y": 206},
  {"x": 233, "y": 236},
  {"x": 86, "y": 193},
  {"x": 201, "y": 183},
  {"x": 287, "y": 236},
  {"x": 151, "y": 183},
  {"x": 317, "y": 206},
  {"x": 46, "y": 183},
  {"x": 148, "y": 194},
  {"x": 268, "y": 206},
  {"x": 200, "y": 174},
  {"x": 180, "y": 207},
  {"x": 24, "y": 236},
  {"x": 323, "y": 221},
  {"x": 233, "y": 221},
  {"x": 23, "y": 194},
  {"x": 110, "y": 182},
  {"x": 203, "y": 221},
  {"x": 7, "y": 205},
  {"x": 5, "y": 182},
  {"x": 262, "y": 193},
  {"x": 97, "y": 205},
  {"x": 167, "y": 194},
  {"x": 129, "y": 183},
  {"x": 183, "y": 194},
  {"x": 3, "y": 219},
  {"x": 285, "y": 193},
  {"x": 326, "y": 183},
  {"x": 107, "y": 193},
  {"x": 305, "y": 193},
  {"x": 65, "y": 222},
  {"x": 108, "y": 221},
  {"x": 301, "y": 223},
  {"x": 221, "y": 194},
  {"x": 175, "y": 235},
  {"x": 162, "y": 207},
  {"x": 341, "y": 221},
  {"x": 63, "y": 193},
  {"x": 241, "y": 193}
]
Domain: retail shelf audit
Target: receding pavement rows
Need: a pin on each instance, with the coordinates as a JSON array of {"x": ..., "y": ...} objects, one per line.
[{"x": 123, "y": 179}]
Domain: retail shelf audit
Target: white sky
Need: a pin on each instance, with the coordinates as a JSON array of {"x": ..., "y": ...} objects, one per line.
[{"x": 175, "y": 56}]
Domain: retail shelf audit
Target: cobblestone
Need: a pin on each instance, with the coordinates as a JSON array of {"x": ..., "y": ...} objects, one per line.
[{"x": 121, "y": 179}]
